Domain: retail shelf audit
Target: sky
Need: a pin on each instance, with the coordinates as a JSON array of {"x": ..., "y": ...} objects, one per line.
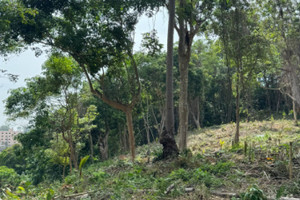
[{"x": 27, "y": 65}]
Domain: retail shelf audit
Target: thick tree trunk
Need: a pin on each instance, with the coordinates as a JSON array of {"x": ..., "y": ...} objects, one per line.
[
  {"x": 167, "y": 137},
  {"x": 131, "y": 133}
]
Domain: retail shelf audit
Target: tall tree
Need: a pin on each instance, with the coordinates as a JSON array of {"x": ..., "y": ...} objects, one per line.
[
  {"x": 282, "y": 22},
  {"x": 97, "y": 34},
  {"x": 167, "y": 137},
  {"x": 243, "y": 44},
  {"x": 192, "y": 17}
]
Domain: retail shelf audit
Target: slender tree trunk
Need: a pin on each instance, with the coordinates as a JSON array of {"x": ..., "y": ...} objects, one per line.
[
  {"x": 237, "y": 120},
  {"x": 160, "y": 126},
  {"x": 125, "y": 139},
  {"x": 64, "y": 169},
  {"x": 295, "y": 113},
  {"x": 131, "y": 133},
  {"x": 91, "y": 146},
  {"x": 70, "y": 163},
  {"x": 186, "y": 32},
  {"x": 194, "y": 109},
  {"x": 103, "y": 145},
  {"x": 73, "y": 154},
  {"x": 183, "y": 105},
  {"x": 167, "y": 137}
]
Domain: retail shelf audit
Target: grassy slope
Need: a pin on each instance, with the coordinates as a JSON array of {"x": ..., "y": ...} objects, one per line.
[{"x": 208, "y": 167}]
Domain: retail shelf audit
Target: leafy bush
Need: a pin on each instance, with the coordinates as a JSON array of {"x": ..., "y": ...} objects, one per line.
[
  {"x": 181, "y": 174},
  {"x": 98, "y": 176},
  {"x": 220, "y": 168},
  {"x": 254, "y": 193},
  {"x": 203, "y": 177},
  {"x": 8, "y": 176}
]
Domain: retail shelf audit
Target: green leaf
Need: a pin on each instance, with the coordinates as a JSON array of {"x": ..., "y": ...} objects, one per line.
[{"x": 82, "y": 162}]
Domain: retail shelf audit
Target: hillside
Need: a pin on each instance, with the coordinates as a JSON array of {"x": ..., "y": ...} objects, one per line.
[{"x": 212, "y": 169}]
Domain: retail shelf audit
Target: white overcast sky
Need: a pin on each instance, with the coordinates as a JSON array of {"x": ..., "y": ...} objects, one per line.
[{"x": 26, "y": 65}]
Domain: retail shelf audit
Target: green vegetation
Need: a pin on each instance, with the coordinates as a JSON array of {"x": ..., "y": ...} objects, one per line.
[
  {"x": 226, "y": 169},
  {"x": 108, "y": 122}
]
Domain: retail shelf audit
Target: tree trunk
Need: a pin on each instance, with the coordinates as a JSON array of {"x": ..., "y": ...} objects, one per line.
[
  {"x": 70, "y": 163},
  {"x": 186, "y": 33},
  {"x": 237, "y": 113},
  {"x": 183, "y": 95},
  {"x": 160, "y": 125},
  {"x": 131, "y": 133},
  {"x": 64, "y": 169},
  {"x": 295, "y": 113},
  {"x": 103, "y": 145},
  {"x": 91, "y": 146},
  {"x": 73, "y": 154},
  {"x": 167, "y": 137},
  {"x": 125, "y": 139},
  {"x": 194, "y": 109},
  {"x": 72, "y": 158}
]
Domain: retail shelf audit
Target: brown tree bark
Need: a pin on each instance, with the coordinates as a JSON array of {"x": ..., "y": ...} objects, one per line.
[
  {"x": 295, "y": 113},
  {"x": 124, "y": 107},
  {"x": 103, "y": 145},
  {"x": 194, "y": 109},
  {"x": 186, "y": 28},
  {"x": 237, "y": 112},
  {"x": 131, "y": 133},
  {"x": 167, "y": 137},
  {"x": 183, "y": 99},
  {"x": 72, "y": 151}
]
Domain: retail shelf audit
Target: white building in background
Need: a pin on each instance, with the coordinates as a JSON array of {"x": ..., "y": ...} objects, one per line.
[{"x": 7, "y": 138}]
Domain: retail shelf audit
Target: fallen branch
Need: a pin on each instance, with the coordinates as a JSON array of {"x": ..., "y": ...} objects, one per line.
[
  {"x": 190, "y": 189},
  {"x": 75, "y": 195},
  {"x": 224, "y": 194},
  {"x": 170, "y": 188}
]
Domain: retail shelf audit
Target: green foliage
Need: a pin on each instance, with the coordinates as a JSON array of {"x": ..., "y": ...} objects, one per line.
[
  {"x": 98, "y": 176},
  {"x": 254, "y": 193},
  {"x": 71, "y": 179},
  {"x": 220, "y": 168},
  {"x": 8, "y": 176},
  {"x": 181, "y": 173},
  {"x": 82, "y": 163}
]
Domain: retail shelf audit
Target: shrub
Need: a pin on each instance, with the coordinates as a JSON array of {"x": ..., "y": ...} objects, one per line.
[
  {"x": 254, "y": 193},
  {"x": 8, "y": 176}
]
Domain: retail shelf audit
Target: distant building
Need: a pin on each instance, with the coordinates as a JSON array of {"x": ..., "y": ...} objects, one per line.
[{"x": 7, "y": 138}]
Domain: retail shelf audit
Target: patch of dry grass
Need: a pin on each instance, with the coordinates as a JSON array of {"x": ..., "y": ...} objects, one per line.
[{"x": 210, "y": 139}]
